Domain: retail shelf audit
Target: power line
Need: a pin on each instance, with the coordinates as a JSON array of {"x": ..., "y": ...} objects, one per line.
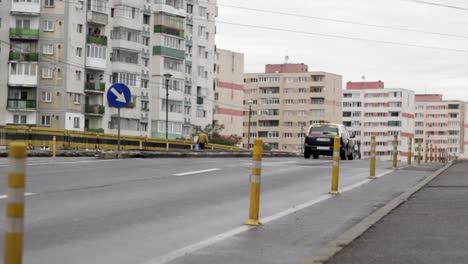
[
  {"x": 342, "y": 37},
  {"x": 343, "y": 21},
  {"x": 438, "y": 4}
]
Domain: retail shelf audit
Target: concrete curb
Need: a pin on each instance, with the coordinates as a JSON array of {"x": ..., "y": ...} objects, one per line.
[{"x": 335, "y": 246}]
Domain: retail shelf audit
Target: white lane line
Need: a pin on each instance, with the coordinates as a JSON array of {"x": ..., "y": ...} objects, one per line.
[
  {"x": 2, "y": 197},
  {"x": 196, "y": 172},
  {"x": 238, "y": 230}
]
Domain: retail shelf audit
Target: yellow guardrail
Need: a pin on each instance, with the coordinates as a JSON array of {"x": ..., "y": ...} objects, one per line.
[{"x": 68, "y": 139}]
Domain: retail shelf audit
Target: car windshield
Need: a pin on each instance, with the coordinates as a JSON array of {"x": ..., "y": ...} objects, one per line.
[{"x": 324, "y": 130}]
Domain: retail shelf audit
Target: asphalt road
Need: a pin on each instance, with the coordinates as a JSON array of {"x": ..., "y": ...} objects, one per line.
[{"x": 132, "y": 211}]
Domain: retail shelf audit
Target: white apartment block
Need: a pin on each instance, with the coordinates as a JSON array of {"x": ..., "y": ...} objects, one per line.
[
  {"x": 285, "y": 100},
  {"x": 440, "y": 123},
  {"x": 64, "y": 55},
  {"x": 229, "y": 94},
  {"x": 370, "y": 109}
]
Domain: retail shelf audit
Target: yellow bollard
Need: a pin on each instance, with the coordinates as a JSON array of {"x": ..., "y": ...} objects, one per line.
[
  {"x": 395, "y": 153},
  {"x": 373, "y": 157},
  {"x": 336, "y": 166},
  {"x": 255, "y": 181},
  {"x": 432, "y": 154},
  {"x": 14, "y": 233},
  {"x": 426, "y": 152},
  {"x": 419, "y": 154},
  {"x": 54, "y": 147},
  {"x": 410, "y": 151}
]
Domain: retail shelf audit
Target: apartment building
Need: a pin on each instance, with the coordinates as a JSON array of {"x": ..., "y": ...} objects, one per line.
[
  {"x": 440, "y": 123},
  {"x": 63, "y": 56},
  {"x": 371, "y": 109},
  {"x": 229, "y": 93},
  {"x": 285, "y": 100}
]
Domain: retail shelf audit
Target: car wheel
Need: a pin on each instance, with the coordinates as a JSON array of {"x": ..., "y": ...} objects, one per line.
[
  {"x": 307, "y": 155},
  {"x": 316, "y": 156}
]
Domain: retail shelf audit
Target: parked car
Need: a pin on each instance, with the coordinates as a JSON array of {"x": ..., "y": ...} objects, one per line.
[{"x": 319, "y": 140}]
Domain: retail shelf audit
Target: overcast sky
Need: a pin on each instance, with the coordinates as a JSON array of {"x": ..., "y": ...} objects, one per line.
[{"x": 419, "y": 69}]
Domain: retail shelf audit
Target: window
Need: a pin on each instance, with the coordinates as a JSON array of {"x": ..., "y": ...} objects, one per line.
[
  {"x": 302, "y": 101},
  {"x": 77, "y": 98},
  {"x": 129, "y": 12},
  {"x": 79, "y": 52},
  {"x": 94, "y": 51},
  {"x": 49, "y": 3},
  {"x": 20, "y": 119},
  {"x": 23, "y": 23},
  {"x": 202, "y": 11},
  {"x": 48, "y": 25},
  {"x": 201, "y": 31},
  {"x": 189, "y": 9},
  {"x": 48, "y": 49},
  {"x": 302, "y": 79},
  {"x": 46, "y": 73},
  {"x": 76, "y": 122},
  {"x": 78, "y": 75},
  {"x": 45, "y": 120},
  {"x": 288, "y": 101},
  {"x": 79, "y": 28},
  {"x": 46, "y": 97},
  {"x": 302, "y": 90}
]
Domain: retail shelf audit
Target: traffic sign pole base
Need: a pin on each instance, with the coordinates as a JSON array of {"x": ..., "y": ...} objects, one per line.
[
  {"x": 334, "y": 193},
  {"x": 253, "y": 222},
  {"x": 372, "y": 177}
]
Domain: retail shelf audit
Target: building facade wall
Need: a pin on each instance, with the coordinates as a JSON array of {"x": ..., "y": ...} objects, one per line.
[
  {"x": 229, "y": 95},
  {"x": 440, "y": 123},
  {"x": 285, "y": 104},
  {"x": 383, "y": 113},
  {"x": 84, "y": 47}
]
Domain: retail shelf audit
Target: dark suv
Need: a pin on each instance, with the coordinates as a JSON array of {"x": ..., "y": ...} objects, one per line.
[{"x": 319, "y": 140}]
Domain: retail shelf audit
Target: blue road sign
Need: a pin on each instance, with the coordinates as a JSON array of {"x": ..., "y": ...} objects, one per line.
[{"x": 119, "y": 95}]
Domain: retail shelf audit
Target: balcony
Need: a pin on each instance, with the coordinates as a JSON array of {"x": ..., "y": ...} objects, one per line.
[
  {"x": 22, "y": 33},
  {"x": 95, "y": 87},
  {"x": 26, "y": 7},
  {"x": 19, "y": 104},
  {"x": 22, "y": 74},
  {"x": 147, "y": 10},
  {"x": 199, "y": 100},
  {"x": 98, "y": 40},
  {"x": 19, "y": 56},
  {"x": 96, "y": 63},
  {"x": 170, "y": 31},
  {"x": 96, "y": 109},
  {"x": 160, "y": 50},
  {"x": 145, "y": 54},
  {"x": 97, "y": 17}
]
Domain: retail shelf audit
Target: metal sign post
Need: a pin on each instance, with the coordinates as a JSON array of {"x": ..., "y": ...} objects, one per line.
[{"x": 119, "y": 96}]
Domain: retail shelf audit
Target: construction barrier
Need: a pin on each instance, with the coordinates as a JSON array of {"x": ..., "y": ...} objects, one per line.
[{"x": 39, "y": 137}]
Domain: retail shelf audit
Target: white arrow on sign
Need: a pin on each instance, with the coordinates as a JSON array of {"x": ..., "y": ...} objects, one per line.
[{"x": 120, "y": 96}]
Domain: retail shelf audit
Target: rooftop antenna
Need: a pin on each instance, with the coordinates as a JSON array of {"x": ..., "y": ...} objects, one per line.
[
  {"x": 363, "y": 78},
  {"x": 286, "y": 58}
]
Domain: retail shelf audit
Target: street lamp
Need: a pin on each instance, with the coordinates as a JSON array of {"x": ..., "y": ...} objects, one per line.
[
  {"x": 250, "y": 102},
  {"x": 168, "y": 77}
]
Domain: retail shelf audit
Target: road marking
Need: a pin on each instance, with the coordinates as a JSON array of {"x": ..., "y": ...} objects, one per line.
[
  {"x": 2, "y": 197},
  {"x": 236, "y": 231},
  {"x": 196, "y": 172}
]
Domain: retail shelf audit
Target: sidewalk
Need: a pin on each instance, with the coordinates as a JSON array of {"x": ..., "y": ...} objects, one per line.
[{"x": 431, "y": 227}]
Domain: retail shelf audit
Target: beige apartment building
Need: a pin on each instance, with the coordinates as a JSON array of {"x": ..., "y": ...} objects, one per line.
[
  {"x": 285, "y": 100},
  {"x": 229, "y": 93},
  {"x": 440, "y": 123}
]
